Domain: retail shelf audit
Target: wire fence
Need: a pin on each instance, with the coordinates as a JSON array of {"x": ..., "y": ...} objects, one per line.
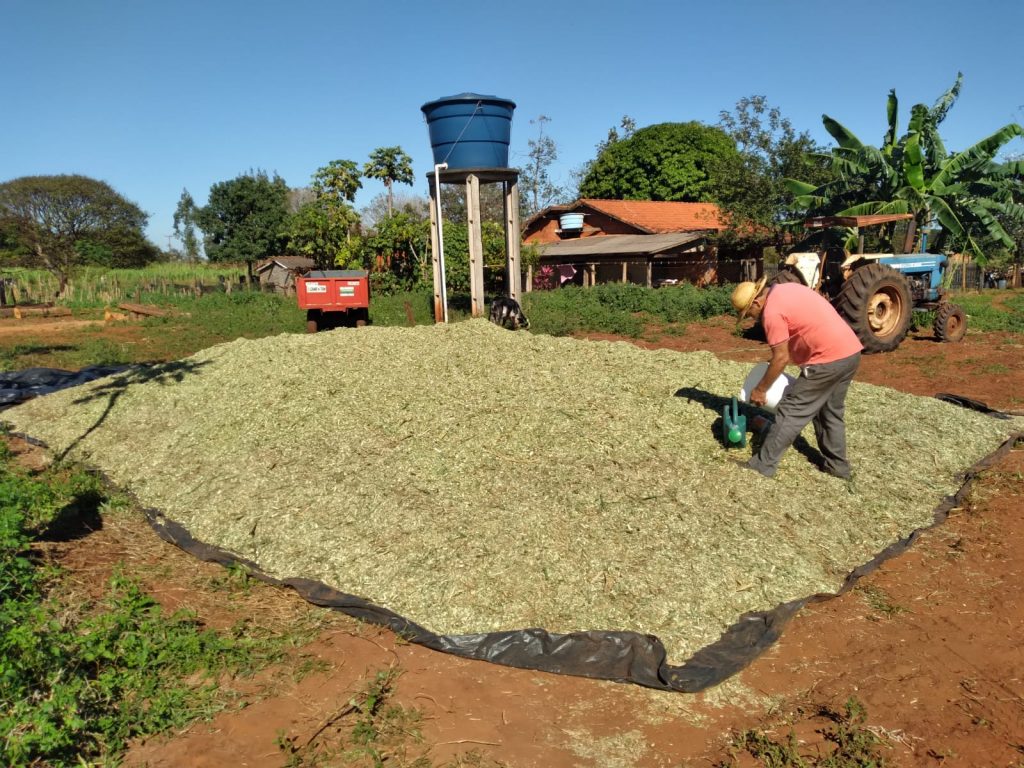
[{"x": 41, "y": 288}]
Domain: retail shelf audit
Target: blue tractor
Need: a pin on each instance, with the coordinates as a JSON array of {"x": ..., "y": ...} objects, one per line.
[{"x": 876, "y": 293}]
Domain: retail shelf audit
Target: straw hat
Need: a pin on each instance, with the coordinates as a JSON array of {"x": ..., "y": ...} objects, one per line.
[{"x": 745, "y": 293}]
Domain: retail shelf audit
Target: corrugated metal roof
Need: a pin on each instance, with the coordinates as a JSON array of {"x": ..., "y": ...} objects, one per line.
[
  {"x": 287, "y": 262},
  {"x": 623, "y": 245}
]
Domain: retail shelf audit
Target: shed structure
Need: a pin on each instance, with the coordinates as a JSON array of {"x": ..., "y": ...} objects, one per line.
[
  {"x": 279, "y": 273},
  {"x": 646, "y": 242}
]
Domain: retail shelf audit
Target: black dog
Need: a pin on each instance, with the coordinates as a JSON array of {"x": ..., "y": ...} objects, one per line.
[{"x": 508, "y": 314}]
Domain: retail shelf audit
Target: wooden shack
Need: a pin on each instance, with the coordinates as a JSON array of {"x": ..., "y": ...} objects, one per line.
[{"x": 279, "y": 273}]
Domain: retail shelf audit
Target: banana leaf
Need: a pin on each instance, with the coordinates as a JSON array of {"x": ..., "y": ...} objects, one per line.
[{"x": 844, "y": 137}]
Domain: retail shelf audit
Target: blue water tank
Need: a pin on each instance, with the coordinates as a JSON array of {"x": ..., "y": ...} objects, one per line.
[{"x": 470, "y": 130}]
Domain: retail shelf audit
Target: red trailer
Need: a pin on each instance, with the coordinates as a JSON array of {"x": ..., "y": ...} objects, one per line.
[{"x": 334, "y": 297}]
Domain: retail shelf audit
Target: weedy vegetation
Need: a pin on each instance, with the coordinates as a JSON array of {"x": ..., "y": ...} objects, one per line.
[
  {"x": 78, "y": 682},
  {"x": 848, "y": 743}
]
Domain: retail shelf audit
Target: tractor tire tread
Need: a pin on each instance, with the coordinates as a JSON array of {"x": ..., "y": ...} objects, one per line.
[
  {"x": 855, "y": 295},
  {"x": 946, "y": 331}
]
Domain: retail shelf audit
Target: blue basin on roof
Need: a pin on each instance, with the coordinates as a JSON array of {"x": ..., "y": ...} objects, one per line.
[{"x": 470, "y": 130}]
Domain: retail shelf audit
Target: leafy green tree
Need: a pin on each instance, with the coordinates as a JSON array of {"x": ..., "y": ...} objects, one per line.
[
  {"x": 61, "y": 220},
  {"x": 667, "y": 161},
  {"x": 185, "y": 226},
  {"x": 245, "y": 218},
  {"x": 323, "y": 226},
  {"x": 1011, "y": 173},
  {"x": 535, "y": 180},
  {"x": 628, "y": 126},
  {"x": 339, "y": 179},
  {"x": 456, "y": 253},
  {"x": 320, "y": 230},
  {"x": 750, "y": 185},
  {"x": 492, "y": 202},
  {"x": 390, "y": 165},
  {"x": 400, "y": 245},
  {"x": 962, "y": 192}
]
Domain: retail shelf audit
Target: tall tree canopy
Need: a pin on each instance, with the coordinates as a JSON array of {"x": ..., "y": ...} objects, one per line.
[
  {"x": 750, "y": 186},
  {"x": 185, "y": 226},
  {"x": 323, "y": 225},
  {"x": 390, "y": 165},
  {"x": 667, "y": 161},
  {"x": 1012, "y": 175},
  {"x": 539, "y": 190},
  {"x": 64, "y": 221},
  {"x": 321, "y": 229},
  {"x": 244, "y": 218},
  {"x": 339, "y": 179},
  {"x": 963, "y": 192},
  {"x": 577, "y": 175}
]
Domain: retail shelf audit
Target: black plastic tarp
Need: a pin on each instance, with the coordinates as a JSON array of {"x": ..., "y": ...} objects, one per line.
[
  {"x": 18, "y": 386},
  {"x": 628, "y": 657},
  {"x": 611, "y": 655}
]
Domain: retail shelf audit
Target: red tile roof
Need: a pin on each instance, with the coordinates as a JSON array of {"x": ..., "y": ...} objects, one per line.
[{"x": 659, "y": 216}]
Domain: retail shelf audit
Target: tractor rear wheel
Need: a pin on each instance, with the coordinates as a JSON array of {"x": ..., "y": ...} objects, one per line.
[
  {"x": 950, "y": 322},
  {"x": 876, "y": 302}
]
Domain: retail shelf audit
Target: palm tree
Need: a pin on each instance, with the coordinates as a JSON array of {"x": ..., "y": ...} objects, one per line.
[
  {"x": 965, "y": 193},
  {"x": 389, "y": 164}
]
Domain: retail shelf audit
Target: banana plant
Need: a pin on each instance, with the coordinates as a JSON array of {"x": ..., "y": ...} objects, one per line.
[{"x": 965, "y": 193}]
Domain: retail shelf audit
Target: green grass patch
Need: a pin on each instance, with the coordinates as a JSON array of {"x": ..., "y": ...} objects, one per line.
[
  {"x": 77, "y": 682},
  {"x": 983, "y": 314},
  {"x": 850, "y": 744},
  {"x": 622, "y": 309}
]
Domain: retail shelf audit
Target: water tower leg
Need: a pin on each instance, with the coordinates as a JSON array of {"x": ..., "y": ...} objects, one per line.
[
  {"x": 512, "y": 239},
  {"x": 435, "y": 253},
  {"x": 476, "y": 245}
]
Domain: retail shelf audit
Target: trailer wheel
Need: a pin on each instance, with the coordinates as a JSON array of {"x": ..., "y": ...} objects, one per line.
[
  {"x": 950, "y": 323},
  {"x": 312, "y": 320},
  {"x": 362, "y": 317},
  {"x": 876, "y": 302}
]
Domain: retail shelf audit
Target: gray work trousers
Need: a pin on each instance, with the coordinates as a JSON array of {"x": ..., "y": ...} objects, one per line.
[{"x": 819, "y": 394}]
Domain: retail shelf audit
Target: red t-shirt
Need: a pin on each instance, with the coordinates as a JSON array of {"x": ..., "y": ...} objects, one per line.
[{"x": 815, "y": 331}]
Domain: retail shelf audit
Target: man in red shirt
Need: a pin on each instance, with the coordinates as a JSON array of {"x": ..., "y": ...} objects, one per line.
[{"x": 805, "y": 330}]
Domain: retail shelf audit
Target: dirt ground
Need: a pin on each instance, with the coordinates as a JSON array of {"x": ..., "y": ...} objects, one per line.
[{"x": 929, "y": 644}]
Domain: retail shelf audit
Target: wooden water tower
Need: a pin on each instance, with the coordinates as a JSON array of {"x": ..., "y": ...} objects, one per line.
[{"x": 469, "y": 136}]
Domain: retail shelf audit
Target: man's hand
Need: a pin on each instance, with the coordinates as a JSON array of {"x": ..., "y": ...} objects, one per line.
[{"x": 778, "y": 363}]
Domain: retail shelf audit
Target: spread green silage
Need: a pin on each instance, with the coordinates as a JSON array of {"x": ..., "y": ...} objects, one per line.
[{"x": 475, "y": 479}]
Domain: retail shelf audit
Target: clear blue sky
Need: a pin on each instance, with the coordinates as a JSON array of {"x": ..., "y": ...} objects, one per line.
[{"x": 154, "y": 97}]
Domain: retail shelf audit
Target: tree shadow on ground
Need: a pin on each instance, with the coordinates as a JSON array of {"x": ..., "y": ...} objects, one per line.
[
  {"x": 22, "y": 350},
  {"x": 165, "y": 374},
  {"x": 717, "y": 404}
]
